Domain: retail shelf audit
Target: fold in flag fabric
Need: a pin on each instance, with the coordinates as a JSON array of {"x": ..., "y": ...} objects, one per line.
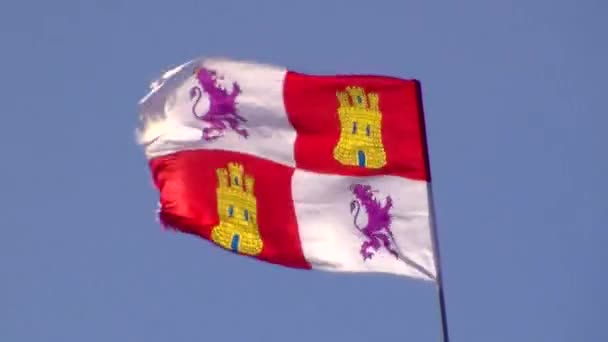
[{"x": 325, "y": 172}]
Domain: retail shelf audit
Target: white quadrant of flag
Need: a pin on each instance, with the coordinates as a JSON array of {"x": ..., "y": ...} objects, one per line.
[
  {"x": 331, "y": 240},
  {"x": 260, "y": 103}
]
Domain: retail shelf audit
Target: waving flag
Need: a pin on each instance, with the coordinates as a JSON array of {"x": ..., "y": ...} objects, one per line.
[{"x": 299, "y": 170}]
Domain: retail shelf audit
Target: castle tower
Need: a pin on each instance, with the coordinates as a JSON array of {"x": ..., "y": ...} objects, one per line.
[
  {"x": 360, "y": 142},
  {"x": 237, "y": 210}
]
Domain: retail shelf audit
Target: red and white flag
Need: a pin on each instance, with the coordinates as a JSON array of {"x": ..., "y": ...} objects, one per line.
[{"x": 304, "y": 171}]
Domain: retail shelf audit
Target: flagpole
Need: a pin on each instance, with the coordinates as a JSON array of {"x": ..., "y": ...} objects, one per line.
[
  {"x": 440, "y": 291},
  {"x": 434, "y": 233}
]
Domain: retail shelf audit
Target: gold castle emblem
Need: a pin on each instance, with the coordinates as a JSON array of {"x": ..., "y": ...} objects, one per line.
[
  {"x": 360, "y": 118},
  {"x": 237, "y": 209}
]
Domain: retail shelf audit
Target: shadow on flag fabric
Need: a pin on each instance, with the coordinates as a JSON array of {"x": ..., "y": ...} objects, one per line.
[{"x": 323, "y": 172}]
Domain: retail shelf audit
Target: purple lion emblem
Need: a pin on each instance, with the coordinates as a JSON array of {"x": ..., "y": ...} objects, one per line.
[
  {"x": 222, "y": 105},
  {"x": 377, "y": 231}
]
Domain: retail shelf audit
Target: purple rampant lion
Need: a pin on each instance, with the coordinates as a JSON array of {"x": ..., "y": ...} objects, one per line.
[
  {"x": 222, "y": 105},
  {"x": 377, "y": 231}
]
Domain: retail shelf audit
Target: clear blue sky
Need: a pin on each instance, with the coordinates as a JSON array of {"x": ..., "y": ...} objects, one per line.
[{"x": 515, "y": 98}]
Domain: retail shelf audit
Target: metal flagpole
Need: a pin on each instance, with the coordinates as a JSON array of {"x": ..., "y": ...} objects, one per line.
[{"x": 433, "y": 223}]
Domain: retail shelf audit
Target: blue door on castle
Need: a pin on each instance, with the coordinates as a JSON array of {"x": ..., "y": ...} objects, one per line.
[
  {"x": 361, "y": 158},
  {"x": 234, "y": 245}
]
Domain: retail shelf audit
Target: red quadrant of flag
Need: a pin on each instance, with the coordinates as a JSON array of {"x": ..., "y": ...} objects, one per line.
[
  {"x": 191, "y": 201},
  {"x": 313, "y": 103}
]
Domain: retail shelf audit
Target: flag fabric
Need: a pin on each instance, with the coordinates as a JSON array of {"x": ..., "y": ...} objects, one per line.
[{"x": 325, "y": 172}]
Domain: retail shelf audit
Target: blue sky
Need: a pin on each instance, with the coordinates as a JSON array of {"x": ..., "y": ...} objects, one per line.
[{"x": 514, "y": 94}]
